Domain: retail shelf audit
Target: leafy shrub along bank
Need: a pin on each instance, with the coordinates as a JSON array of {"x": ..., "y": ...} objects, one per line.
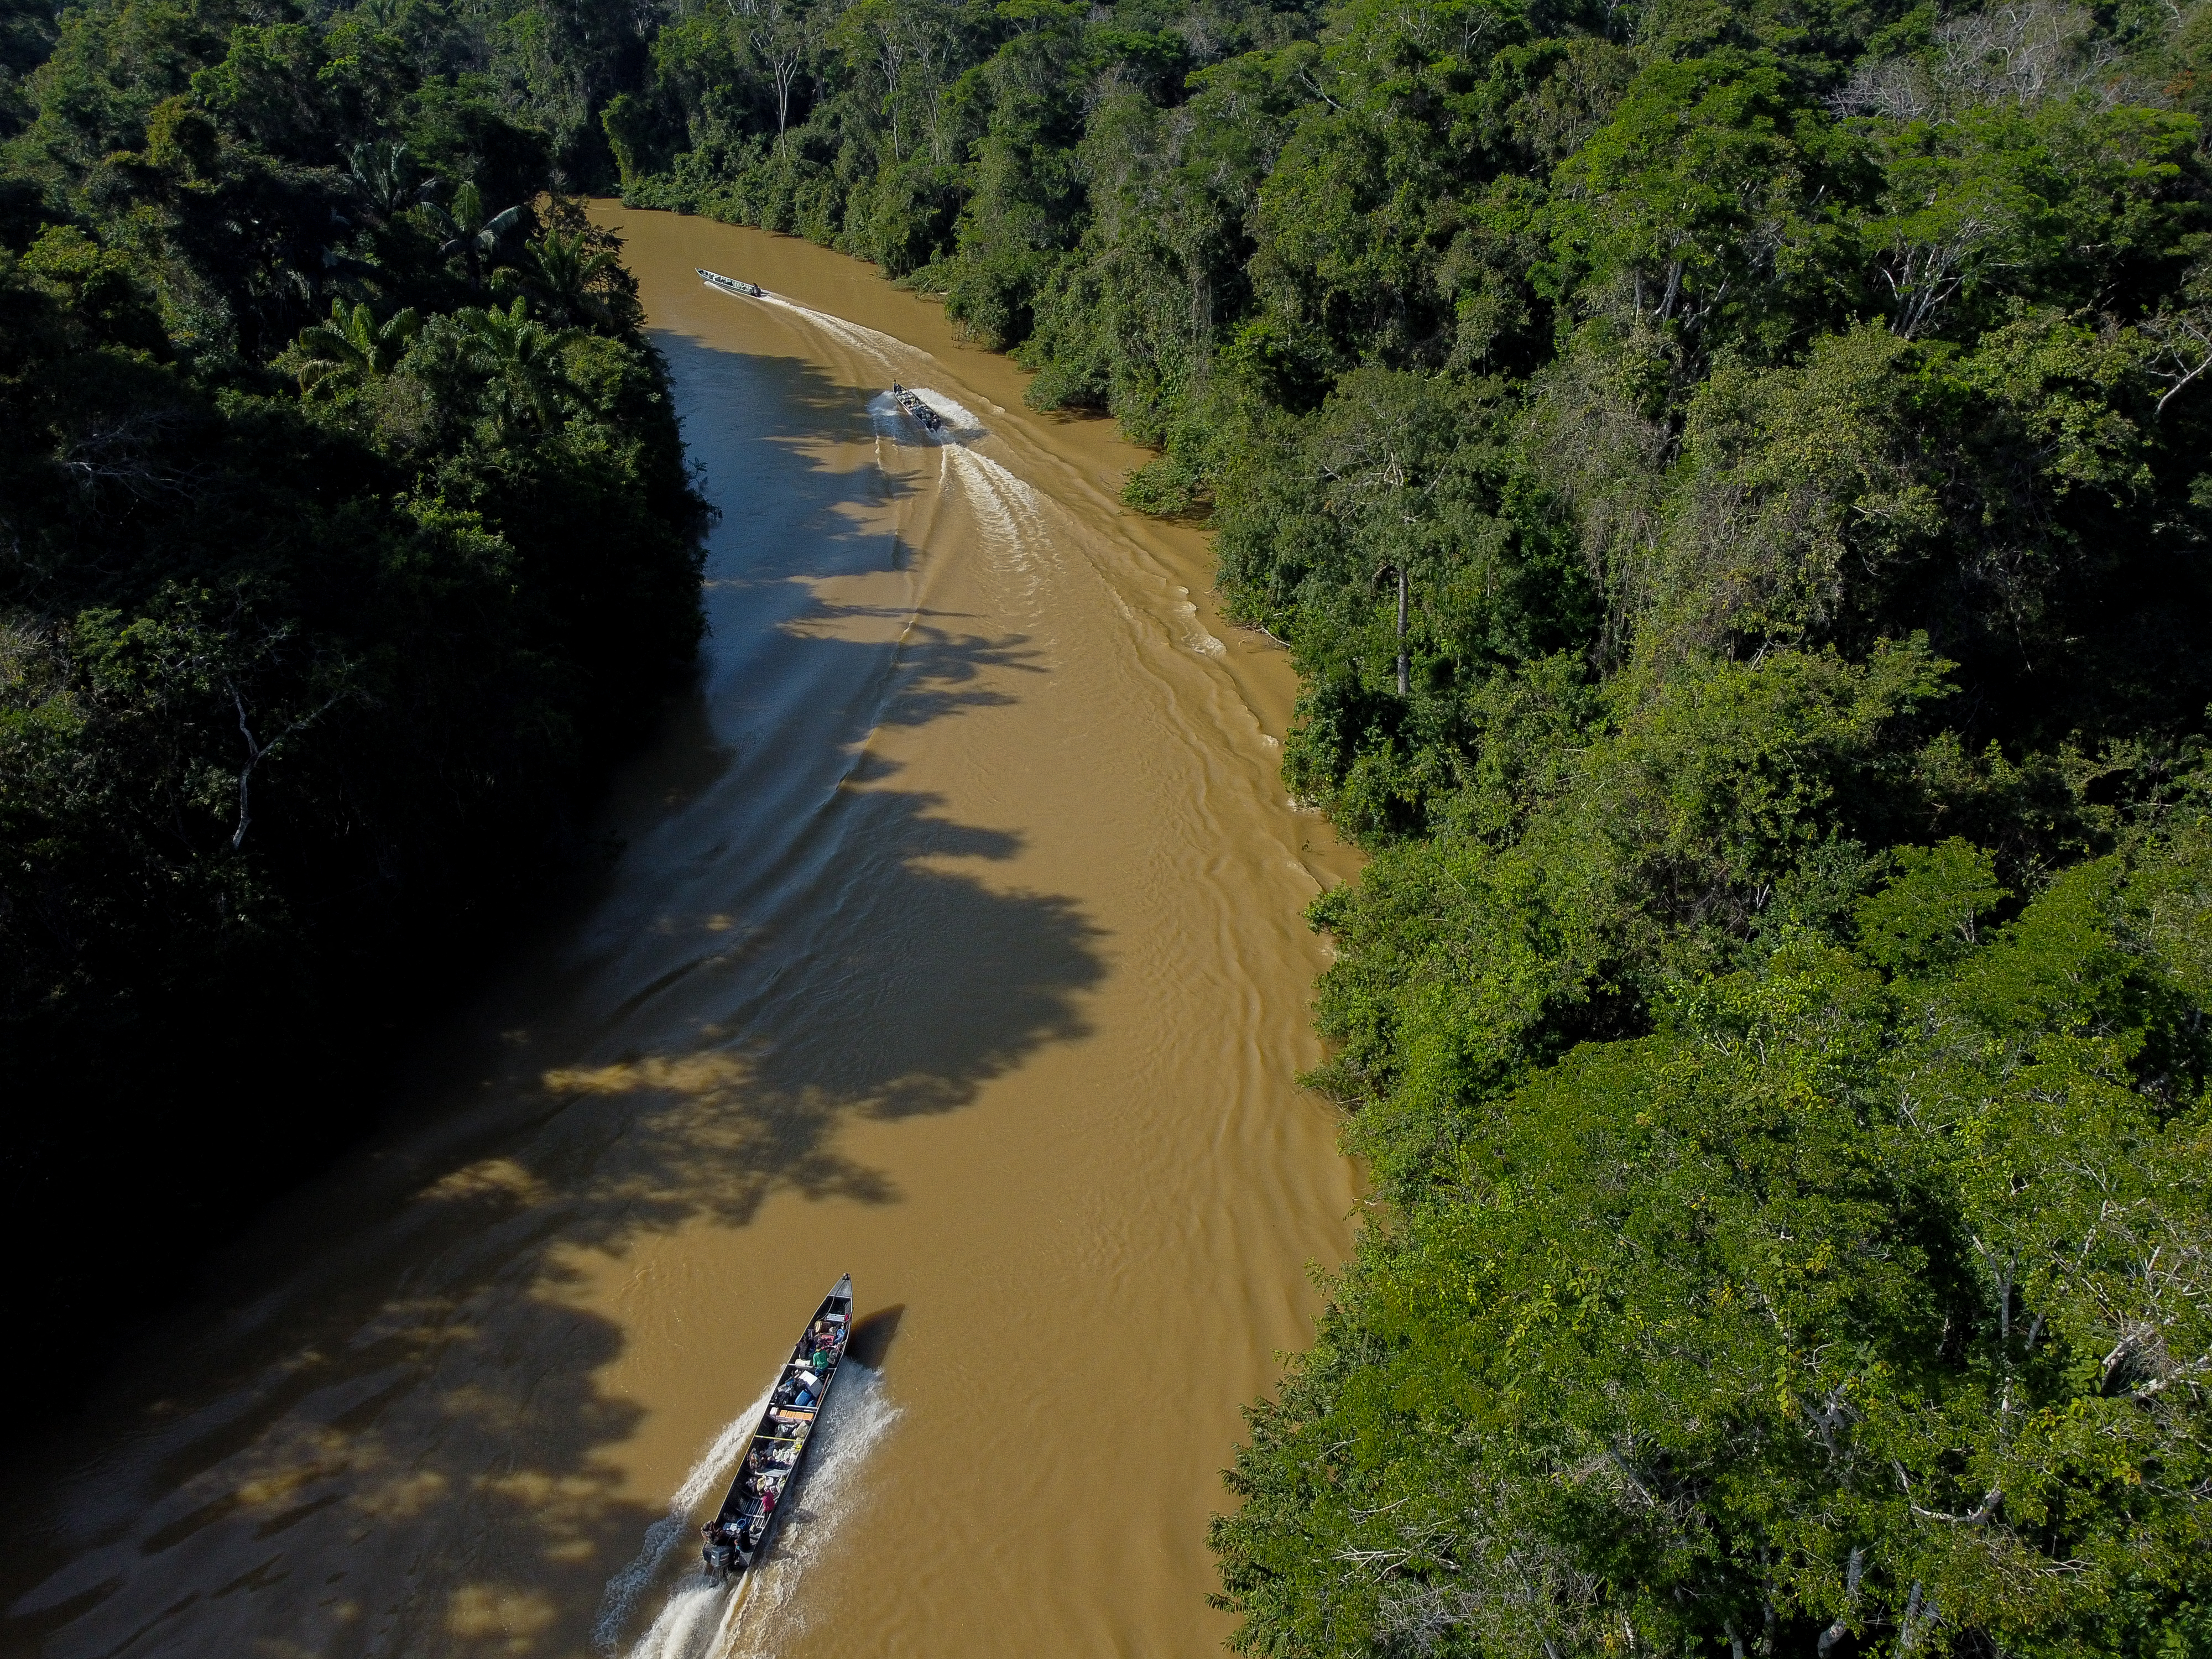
[
  {"x": 1732, "y": 476},
  {"x": 345, "y": 534}
]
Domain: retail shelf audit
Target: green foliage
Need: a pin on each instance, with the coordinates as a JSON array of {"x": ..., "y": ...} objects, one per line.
[
  {"x": 1606, "y": 851},
  {"x": 1730, "y": 478},
  {"x": 574, "y": 275},
  {"x": 353, "y": 346},
  {"x": 1840, "y": 1301},
  {"x": 328, "y": 590}
]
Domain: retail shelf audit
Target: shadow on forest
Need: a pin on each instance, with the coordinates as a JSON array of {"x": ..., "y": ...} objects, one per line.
[{"x": 383, "y": 1432}]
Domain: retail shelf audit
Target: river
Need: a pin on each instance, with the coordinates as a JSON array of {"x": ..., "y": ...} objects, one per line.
[{"x": 955, "y": 943}]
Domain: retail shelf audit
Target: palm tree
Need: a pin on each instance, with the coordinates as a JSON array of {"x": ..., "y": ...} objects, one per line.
[
  {"x": 516, "y": 356},
  {"x": 384, "y": 174},
  {"x": 570, "y": 279},
  {"x": 469, "y": 231},
  {"x": 353, "y": 346}
]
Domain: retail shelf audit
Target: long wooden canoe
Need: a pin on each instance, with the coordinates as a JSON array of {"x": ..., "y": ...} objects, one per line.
[
  {"x": 715, "y": 279},
  {"x": 738, "y": 1535},
  {"x": 912, "y": 403}
]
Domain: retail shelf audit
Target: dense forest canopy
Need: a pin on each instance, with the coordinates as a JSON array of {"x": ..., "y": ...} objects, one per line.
[
  {"x": 1735, "y": 479},
  {"x": 345, "y": 534}
]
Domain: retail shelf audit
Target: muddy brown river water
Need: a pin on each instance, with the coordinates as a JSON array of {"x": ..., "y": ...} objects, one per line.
[{"x": 955, "y": 943}]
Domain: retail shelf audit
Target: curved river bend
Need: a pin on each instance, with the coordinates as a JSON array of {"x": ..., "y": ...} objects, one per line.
[{"x": 955, "y": 943}]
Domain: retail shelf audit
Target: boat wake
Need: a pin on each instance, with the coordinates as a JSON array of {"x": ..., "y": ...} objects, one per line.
[
  {"x": 706, "y": 1479},
  {"x": 962, "y": 424},
  {"x": 1005, "y": 502},
  {"x": 702, "y": 1620},
  {"x": 1010, "y": 514},
  {"x": 859, "y": 335}
]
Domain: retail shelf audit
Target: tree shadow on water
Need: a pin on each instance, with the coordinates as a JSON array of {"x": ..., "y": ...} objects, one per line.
[
  {"x": 398, "y": 1446},
  {"x": 900, "y": 983},
  {"x": 383, "y": 1430}
]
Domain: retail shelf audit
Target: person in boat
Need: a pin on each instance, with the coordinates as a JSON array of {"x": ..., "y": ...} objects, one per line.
[{"x": 724, "y": 1540}]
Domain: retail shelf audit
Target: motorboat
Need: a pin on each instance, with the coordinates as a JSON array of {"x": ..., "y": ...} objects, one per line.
[
  {"x": 715, "y": 279},
  {"x": 738, "y": 1535},
  {"x": 911, "y": 401}
]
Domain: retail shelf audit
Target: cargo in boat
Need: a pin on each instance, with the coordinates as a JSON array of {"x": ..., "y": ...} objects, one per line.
[
  {"x": 729, "y": 284},
  {"x": 738, "y": 1535},
  {"x": 911, "y": 401}
]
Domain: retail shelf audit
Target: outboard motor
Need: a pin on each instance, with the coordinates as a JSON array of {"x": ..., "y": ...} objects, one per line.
[{"x": 720, "y": 1558}]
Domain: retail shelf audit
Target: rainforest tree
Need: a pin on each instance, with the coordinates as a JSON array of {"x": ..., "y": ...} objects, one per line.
[
  {"x": 344, "y": 535},
  {"x": 1732, "y": 480}
]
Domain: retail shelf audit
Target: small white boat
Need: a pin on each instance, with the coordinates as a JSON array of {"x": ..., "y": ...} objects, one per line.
[{"x": 729, "y": 284}]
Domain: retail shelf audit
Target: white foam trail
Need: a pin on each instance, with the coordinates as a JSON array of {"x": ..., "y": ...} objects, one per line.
[
  {"x": 883, "y": 410},
  {"x": 771, "y": 1611},
  {"x": 690, "y": 1622},
  {"x": 1004, "y": 498},
  {"x": 966, "y": 424},
  {"x": 1027, "y": 501},
  {"x": 991, "y": 508},
  {"x": 1014, "y": 536},
  {"x": 1194, "y": 637},
  {"x": 856, "y": 335},
  {"x": 1008, "y": 511},
  {"x": 700, "y": 1620},
  {"x": 1012, "y": 499},
  {"x": 707, "y": 1478}
]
